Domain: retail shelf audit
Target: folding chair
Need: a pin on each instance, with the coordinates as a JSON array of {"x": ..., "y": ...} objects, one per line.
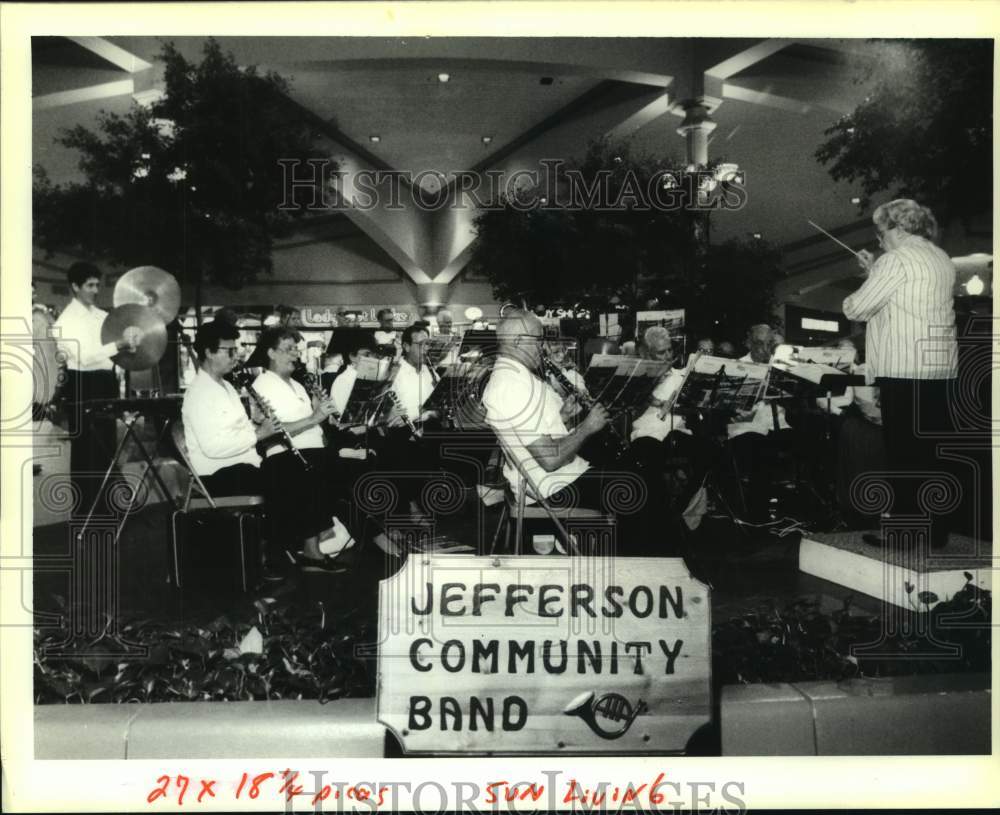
[
  {"x": 517, "y": 509},
  {"x": 244, "y": 509}
]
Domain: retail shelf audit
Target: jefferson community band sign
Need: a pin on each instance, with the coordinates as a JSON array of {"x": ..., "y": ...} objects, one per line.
[{"x": 543, "y": 655}]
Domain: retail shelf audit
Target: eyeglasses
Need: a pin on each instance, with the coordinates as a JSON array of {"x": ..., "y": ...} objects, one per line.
[
  {"x": 232, "y": 350},
  {"x": 287, "y": 349}
]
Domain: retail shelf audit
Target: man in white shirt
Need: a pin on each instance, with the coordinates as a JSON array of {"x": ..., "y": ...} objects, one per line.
[
  {"x": 413, "y": 382},
  {"x": 529, "y": 419},
  {"x": 89, "y": 375},
  {"x": 660, "y": 441},
  {"x": 448, "y": 342},
  {"x": 413, "y": 457}
]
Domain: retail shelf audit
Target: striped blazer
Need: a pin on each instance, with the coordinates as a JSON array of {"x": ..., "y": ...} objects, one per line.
[{"x": 908, "y": 304}]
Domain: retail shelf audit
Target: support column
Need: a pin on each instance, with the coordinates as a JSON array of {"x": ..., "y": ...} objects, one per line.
[
  {"x": 695, "y": 129},
  {"x": 431, "y": 297}
]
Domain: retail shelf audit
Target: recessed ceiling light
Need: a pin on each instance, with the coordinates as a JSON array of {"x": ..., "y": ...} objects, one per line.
[
  {"x": 487, "y": 139},
  {"x": 444, "y": 77},
  {"x": 757, "y": 236},
  {"x": 855, "y": 200},
  {"x": 374, "y": 139}
]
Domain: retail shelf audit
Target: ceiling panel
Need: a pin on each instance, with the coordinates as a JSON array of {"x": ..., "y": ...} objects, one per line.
[{"x": 424, "y": 124}]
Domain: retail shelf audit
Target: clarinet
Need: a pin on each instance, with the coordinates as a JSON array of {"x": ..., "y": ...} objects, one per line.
[
  {"x": 407, "y": 421},
  {"x": 555, "y": 372},
  {"x": 312, "y": 384},
  {"x": 268, "y": 412}
]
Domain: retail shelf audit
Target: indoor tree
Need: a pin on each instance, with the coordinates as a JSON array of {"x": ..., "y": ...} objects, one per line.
[
  {"x": 925, "y": 129},
  {"x": 191, "y": 183},
  {"x": 539, "y": 245}
]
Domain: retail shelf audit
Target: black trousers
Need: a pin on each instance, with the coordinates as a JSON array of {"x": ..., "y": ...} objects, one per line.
[
  {"x": 646, "y": 525},
  {"x": 300, "y": 502},
  {"x": 93, "y": 435},
  {"x": 756, "y": 458},
  {"x": 915, "y": 415},
  {"x": 239, "y": 479}
]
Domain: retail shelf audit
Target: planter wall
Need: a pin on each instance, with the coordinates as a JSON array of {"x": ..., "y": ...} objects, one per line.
[
  {"x": 920, "y": 715},
  {"x": 915, "y": 715}
]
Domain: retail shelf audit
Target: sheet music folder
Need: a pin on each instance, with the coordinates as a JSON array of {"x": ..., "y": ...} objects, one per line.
[
  {"x": 723, "y": 385},
  {"x": 365, "y": 401},
  {"x": 622, "y": 383},
  {"x": 825, "y": 369}
]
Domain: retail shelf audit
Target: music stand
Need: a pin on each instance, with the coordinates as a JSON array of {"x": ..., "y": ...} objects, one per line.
[
  {"x": 368, "y": 392},
  {"x": 458, "y": 395},
  {"x": 131, "y": 410},
  {"x": 479, "y": 344}
]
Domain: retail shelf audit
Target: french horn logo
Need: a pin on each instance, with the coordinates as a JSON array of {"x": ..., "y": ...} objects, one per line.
[{"x": 609, "y": 715}]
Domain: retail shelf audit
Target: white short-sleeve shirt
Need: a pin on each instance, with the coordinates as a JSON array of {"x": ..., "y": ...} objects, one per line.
[
  {"x": 521, "y": 408},
  {"x": 290, "y": 403}
]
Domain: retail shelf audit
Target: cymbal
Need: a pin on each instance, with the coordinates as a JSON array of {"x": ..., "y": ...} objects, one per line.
[
  {"x": 140, "y": 321},
  {"x": 149, "y": 286}
]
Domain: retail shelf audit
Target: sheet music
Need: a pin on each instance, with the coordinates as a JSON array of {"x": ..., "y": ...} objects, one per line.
[
  {"x": 810, "y": 364},
  {"x": 621, "y": 383},
  {"x": 718, "y": 383},
  {"x": 371, "y": 382}
]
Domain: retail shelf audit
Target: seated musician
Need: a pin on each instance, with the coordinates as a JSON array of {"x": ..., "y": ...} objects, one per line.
[
  {"x": 446, "y": 333},
  {"x": 653, "y": 426},
  {"x": 387, "y": 340},
  {"x": 755, "y": 434},
  {"x": 333, "y": 362},
  {"x": 661, "y": 441},
  {"x": 414, "y": 381},
  {"x": 761, "y": 420},
  {"x": 529, "y": 418},
  {"x": 221, "y": 439},
  {"x": 301, "y": 500},
  {"x": 361, "y": 346},
  {"x": 564, "y": 356},
  {"x": 407, "y": 452}
]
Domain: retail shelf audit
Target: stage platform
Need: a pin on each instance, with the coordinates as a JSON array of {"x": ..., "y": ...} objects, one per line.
[{"x": 898, "y": 574}]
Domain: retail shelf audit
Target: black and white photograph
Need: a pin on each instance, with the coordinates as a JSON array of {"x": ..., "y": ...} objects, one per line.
[{"x": 389, "y": 393}]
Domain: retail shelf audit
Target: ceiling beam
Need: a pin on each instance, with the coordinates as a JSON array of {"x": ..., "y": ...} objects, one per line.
[
  {"x": 744, "y": 59},
  {"x": 642, "y": 117},
  {"x": 105, "y": 90},
  {"x": 114, "y": 54},
  {"x": 716, "y": 75},
  {"x": 764, "y": 98}
]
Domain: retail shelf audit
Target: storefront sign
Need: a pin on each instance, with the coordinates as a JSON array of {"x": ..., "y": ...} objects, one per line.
[{"x": 543, "y": 655}]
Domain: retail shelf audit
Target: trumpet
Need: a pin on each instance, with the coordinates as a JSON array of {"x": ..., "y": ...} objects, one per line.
[
  {"x": 553, "y": 371},
  {"x": 244, "y": 378}
]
